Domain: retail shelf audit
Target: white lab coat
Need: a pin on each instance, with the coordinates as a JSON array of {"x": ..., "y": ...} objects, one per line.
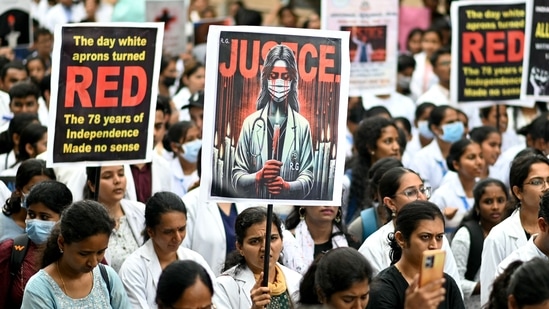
[
  {"x": 397, "y": 104},
  {"x": 135, "y": 214},
  {"x": 205, "y": 230},
  {"x": 451, "y": 195},
  {"x": 502, "y": 240},
  {"x": 423, "y": 77},
  {"x": 430, "y": 165},
  {"x": 232, "y": 288},
  {"x": 141, "y": 271},
  {"x": 376, "y": 249},
  {"x": 524, "y": 253},
  {"x": 56, "y": 15}
]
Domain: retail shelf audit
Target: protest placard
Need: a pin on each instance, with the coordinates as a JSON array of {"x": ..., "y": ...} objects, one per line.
[
  {"x": 15, "y": 23},
  {"x": 104, "y": 89},
  {"x": 173, "y": 13},
  {"x": 487, "y": 51},
  {"x": 535, "y": 75},
  {"x": 277, "y": 102},
  {"x": 373, "y": 42}
]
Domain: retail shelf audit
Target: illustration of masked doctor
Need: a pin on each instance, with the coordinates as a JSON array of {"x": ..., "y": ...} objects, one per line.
[{"x": 274, "y": 154}]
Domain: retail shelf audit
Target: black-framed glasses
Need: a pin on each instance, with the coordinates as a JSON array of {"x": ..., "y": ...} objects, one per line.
[
  {"x": 538, "y": 182},
  {"x": 413, "y": 193}
]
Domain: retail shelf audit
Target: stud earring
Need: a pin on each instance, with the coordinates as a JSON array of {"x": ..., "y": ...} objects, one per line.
[
  {"x": 302, "y": 213},
  {"x": 338, "y": 216}
]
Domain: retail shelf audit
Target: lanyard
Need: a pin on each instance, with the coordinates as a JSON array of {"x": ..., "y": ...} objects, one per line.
[
  {"x": 465, "y": 203},
  {"x": 442, "y": 167}
]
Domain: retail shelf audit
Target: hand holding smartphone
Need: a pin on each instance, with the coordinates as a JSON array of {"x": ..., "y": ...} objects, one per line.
[{"x": 432, "y": 266}]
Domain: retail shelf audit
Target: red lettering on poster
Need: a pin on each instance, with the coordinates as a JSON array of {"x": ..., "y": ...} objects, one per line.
[
  {"x": 79, "y": 80},
  {"x": 492, "y": 47},
  {"x": 326, "y": 63},
  {"x": 100, "y": 99},
  {"x": 314, "y": 62},
  {"x": 80, "y": 88},
  {"x": 308, "y": 49}
]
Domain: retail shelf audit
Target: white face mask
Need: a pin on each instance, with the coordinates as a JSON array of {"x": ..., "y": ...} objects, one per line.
[{"x": 279, "y": 89}]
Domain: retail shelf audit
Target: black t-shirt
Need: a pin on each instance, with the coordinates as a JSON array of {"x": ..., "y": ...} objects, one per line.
[{"x": 388, "y": 290}]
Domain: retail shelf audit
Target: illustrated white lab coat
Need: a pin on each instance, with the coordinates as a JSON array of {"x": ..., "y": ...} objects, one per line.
[
  {"x": 377, "y": 250},
  {"x": 232, "y": 288},
  {"x": 502, "y": 240},
  {"x": 205, "y": 230},
  {"x": 135, "y": 215},
  {"x": 141, "y": 271}
]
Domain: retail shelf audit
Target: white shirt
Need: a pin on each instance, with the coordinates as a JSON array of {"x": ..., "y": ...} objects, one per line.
[
  {"x": 503, "y": 239},
  {"x": 205, "y": 230},
  {"x": 7, "y": 160},
  {"x": 141, "y": 271},
  {"x": 500, "y": 170},
  {"x": 5, "y": 113},
  {"x": 232, "y": 288},
  {"x": 397, "y": 104},
  {"x": 436, "y": 94},
  {"x": 461, "y": 245},
  {"x": 57, "y": 15},
  {"x": 423, "y": 77},
  {"x": 524, "y": 253},
  {"x": 430, "y": 165},
  {"x": 450, "y": 194},
  {"x": 376, "y": 249},
  {"x": 180, "y": 99},
  {"x": 181, "y": 182}
]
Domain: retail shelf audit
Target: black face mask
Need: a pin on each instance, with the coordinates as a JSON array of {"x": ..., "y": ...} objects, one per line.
[{"x": 168, "y": 81}]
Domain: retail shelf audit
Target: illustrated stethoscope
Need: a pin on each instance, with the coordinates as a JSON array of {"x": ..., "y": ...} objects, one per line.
[{"x": 261, "y": 123}]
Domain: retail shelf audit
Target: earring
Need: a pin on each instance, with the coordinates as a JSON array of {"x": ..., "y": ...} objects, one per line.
[
  {"x": 338, "y": 216},
  {"x": 393, "y": 213},
  {"x": 301, "y": 213},
  {"x": 373, "y": 153},
  {"x": 60, "y": 250}
]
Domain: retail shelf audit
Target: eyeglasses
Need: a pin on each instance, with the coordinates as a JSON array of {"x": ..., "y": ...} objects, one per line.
[
  {"x": 412, "y": 193},
  {"x": 538, "y": 182}
]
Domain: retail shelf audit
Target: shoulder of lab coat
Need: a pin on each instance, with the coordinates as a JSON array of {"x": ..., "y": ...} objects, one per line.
[
  {"x": 233, "y": 287},
  {"x": 139, "y": 274},
  {"x": 159, "y": 169},
  {"x": 141, "y": 271},
  {"x": 502, "y": 240},
  {"x": 205, "y": 229},
  {"x": 135, "y": 214}
]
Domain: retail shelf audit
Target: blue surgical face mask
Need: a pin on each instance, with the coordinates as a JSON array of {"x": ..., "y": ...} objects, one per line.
[
  {"x": 39, "y": 230},
  {"x": 190, "y": 150},
  {"x": 452, "y": 132},
  {"x": 423, "y": 128}
]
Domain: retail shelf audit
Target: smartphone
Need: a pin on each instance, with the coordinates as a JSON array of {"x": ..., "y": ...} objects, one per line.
[{"x": 432, "y": 266}]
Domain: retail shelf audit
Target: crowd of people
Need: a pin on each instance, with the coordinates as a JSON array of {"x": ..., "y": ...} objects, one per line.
[{"x": 422, "y": 173}]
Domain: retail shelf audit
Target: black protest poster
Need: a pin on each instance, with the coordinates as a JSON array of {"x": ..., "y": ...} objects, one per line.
[
  {"x": 487, "y": 50},
  {"x": 104, "y": 87},
  {"x": 535, "y": 78}
]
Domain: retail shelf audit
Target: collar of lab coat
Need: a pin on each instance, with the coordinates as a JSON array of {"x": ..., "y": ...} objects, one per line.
[
  {"x": 151, "y": 259},
  {"x": 514, "y": 227}
]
